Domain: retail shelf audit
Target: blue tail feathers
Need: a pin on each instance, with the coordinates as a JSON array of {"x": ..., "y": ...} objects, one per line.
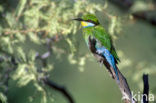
[{"x": 109, "y": 57}]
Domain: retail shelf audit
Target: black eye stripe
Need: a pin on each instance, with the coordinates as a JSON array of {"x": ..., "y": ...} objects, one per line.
[{"x": 79, "y": 19}]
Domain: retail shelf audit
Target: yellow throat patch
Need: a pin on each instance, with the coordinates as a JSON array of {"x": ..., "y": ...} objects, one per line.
[{"x": 83, "y": 23}]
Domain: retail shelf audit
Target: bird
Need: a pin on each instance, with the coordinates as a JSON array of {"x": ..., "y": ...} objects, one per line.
[{"x": 100, "y": 43}]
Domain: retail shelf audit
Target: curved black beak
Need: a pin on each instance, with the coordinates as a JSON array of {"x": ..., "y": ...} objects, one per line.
[{"x": 78, "y": 19}]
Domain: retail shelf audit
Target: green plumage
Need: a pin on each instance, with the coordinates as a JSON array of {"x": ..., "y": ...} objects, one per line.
[
  {"x": 101, "y": 35},
  {"x": 90, "y": 17}
]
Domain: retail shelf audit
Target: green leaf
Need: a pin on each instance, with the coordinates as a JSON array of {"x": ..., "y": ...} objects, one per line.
[
  {"x": 3, "y": 98},
  {"x": 20, "y": 7}
]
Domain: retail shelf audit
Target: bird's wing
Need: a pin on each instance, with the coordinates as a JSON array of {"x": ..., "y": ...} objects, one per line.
[
  {"x": 113, "y": 51},
  {"x": 104, "y": 38}
]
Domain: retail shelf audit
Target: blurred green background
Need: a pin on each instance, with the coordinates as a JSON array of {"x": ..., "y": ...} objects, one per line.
[{"x": 44, "y": 27}]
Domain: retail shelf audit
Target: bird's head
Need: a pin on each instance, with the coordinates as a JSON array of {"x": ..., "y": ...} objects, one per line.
[{"x": 88, "y": 20}]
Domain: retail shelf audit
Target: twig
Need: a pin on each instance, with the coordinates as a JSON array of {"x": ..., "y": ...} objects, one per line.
[
  {"x": 148, "y": 16},
  {"x": 124, "y": 88},
  {"x": 123, "y": 3},
  {"x": 45, "y": 79},
  {"x": 6, "y": 32},
  {"x": 43, "y": 59},
  {"x": 59, "y": 88},
  {"x": 146, "y": 88}
]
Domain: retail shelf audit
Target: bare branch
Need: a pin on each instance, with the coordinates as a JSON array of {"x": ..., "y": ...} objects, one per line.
[
  {"x": 45, "y": 79},
  {"x": 146, "y": 88},
  {"x": 59, "y": 88},
  {"x": 124, "y": 88},
  {"x": 148, "y": 16},
  {"x": 123, "y": 3}
]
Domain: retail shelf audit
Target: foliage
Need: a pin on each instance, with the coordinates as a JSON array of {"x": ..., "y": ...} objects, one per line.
[
  {"x": 36, "y": 23},
  {"x": 33, "y": 32}
]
